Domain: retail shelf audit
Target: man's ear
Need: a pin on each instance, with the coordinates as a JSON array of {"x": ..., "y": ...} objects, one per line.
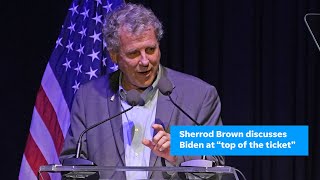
[{"x": 114, "y": 56}]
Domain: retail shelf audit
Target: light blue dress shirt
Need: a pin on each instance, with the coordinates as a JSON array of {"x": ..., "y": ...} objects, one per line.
[{"x": 137, "y": 126}]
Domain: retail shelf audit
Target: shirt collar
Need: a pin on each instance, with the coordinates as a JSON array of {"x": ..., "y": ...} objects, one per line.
[{"x": 147, "y": 94}]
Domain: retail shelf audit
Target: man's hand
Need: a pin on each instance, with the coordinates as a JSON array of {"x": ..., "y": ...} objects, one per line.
[{"x": 160, "y": 144}]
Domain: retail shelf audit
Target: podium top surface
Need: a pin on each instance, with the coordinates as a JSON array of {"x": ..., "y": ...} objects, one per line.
[{"x": 61, "y": 168}]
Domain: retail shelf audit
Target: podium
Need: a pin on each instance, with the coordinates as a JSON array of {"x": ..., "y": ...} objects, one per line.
[{"x": 94, "y": 172}]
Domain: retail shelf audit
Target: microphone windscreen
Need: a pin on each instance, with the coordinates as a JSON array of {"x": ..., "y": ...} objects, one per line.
[
  {"x": 134, "y": 98},
  {"x": 165, "y": 86}
]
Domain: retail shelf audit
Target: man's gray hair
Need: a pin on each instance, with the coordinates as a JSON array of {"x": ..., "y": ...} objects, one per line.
[{"x": 135, "y": 18}]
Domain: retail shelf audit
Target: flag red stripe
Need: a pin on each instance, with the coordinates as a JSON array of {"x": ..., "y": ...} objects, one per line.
[
  {"x": 49, "y": 117},
  {"x": 34, "y": 157}
]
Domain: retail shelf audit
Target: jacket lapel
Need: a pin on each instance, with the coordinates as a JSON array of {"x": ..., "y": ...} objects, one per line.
[
  {"x": 165, "y": 106},
  {"x": 114, "y": 108},
  {"x": 163, "y": 116}
]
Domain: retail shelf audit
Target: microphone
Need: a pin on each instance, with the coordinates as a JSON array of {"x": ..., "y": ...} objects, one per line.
[
  {"x": 166, "y": 88},
  {"x": 133, "y": 99}
]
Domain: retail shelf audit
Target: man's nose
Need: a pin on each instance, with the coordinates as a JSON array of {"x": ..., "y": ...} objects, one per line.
[{"x": 144, "y": 61}]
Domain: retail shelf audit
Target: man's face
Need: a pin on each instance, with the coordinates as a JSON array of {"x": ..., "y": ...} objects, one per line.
[{"x": 138, "y": 58}]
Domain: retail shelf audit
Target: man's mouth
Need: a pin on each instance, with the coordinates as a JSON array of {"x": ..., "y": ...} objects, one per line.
[{"x": 145, "y": 73}]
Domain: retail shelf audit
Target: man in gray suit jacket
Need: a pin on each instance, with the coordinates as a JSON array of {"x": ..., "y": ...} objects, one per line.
[{"x": 141, "y": 136}]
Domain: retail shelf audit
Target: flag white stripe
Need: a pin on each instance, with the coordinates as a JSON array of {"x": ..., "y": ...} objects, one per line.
[
  {"x": 43, "y": 139},
  {"x": 26, "y": 171},
  {"x": 55, "y": 96}
]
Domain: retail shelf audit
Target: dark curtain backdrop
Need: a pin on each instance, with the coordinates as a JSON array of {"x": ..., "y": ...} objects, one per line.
[{"x": 257, "y": 53}]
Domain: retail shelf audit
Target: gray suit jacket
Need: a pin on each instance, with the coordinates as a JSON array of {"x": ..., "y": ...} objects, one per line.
[{"x": 99, "y": 99}]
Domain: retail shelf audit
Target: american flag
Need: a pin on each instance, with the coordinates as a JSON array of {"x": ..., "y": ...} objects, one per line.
[{"x": 79, "y": 56}]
